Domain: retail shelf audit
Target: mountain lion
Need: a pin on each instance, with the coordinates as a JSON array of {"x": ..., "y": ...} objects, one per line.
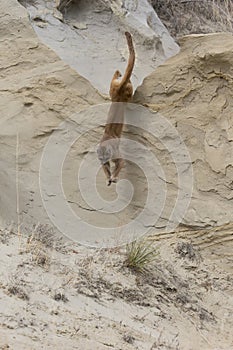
[{"x": 121, "y": 91}]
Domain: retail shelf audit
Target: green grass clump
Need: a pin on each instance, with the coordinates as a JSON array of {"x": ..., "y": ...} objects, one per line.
[{"x": 139, "y": 255}]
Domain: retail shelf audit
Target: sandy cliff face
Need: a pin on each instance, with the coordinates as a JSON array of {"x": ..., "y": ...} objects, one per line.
[
  {"x": 38, "y": 91},
  {"x": 194, "y": 91},
  {"x": 90, "y": 36}
]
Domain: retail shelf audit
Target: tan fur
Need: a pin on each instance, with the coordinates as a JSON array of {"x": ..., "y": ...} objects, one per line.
[{"x": 120, "y": 91}]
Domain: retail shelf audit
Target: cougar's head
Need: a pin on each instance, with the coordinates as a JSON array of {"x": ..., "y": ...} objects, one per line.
[{"x": 104, "y": 153}]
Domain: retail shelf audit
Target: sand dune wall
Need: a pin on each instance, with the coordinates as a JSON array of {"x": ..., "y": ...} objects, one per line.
[{"x": 192, "y": 91}]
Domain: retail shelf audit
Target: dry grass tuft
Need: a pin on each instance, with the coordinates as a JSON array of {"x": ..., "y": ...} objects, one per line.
[
  {"x": 63, "y": 5},
  {"x": 39, "y": 245},
  {"x": 43, "y": 234},
  {"x": 17, "y": 291},
  {"x": 16, "y": 287}
]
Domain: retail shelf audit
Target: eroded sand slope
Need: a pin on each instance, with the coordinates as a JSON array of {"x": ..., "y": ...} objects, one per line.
[
  {"x": 194, "y": 91},
  {"x": 38, "y": 91}
]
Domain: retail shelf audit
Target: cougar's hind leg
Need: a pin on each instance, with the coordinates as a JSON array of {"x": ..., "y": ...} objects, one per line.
[
  {"x": 107, "y": 171},
  {"x": 119, "y": 164}
]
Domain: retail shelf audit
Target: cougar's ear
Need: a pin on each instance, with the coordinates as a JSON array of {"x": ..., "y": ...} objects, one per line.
[{"x": 118, "y": 74}]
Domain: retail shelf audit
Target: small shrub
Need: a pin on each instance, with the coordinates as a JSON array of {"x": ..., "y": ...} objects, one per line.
[{"x": 17, "y": 291}]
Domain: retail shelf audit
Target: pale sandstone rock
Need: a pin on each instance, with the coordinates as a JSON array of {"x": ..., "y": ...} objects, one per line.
[
  {"x": 38, "y": 91},
  {"x": 91, "y": 37},
  {"x": 194, "y": 91}
]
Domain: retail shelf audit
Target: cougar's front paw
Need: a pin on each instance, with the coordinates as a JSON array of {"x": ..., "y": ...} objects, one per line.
[
  {"x": 114, "y": 179},
  {"x": 108, "y": 182}
]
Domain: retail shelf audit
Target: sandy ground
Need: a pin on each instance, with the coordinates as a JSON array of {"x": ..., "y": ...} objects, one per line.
[{"x": 54, "y": 292}]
